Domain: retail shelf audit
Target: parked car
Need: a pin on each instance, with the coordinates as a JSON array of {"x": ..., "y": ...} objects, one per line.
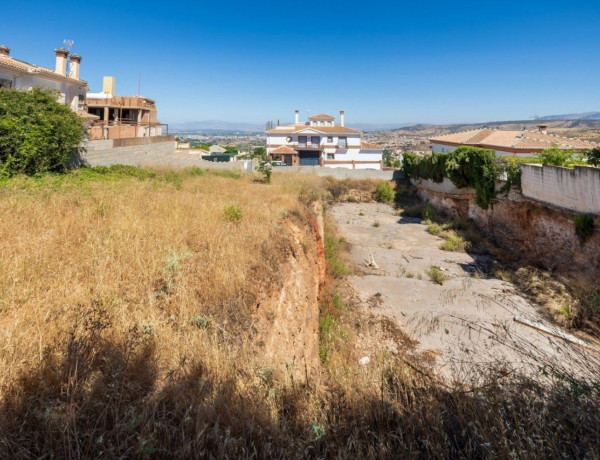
[{"x": 278, "y": 163}]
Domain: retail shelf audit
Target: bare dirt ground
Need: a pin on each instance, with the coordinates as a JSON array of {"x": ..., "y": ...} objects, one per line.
[{"x": 468, "y": 323}]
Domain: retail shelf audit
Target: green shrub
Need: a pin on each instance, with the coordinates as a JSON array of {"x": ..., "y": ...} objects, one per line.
[
  {"x": 465, "y": 167},
  {"x": 266, "y": 168},
  {"x": 428, "y": 212},
  {"x": 584, "y": 226},
  {"x": 333, "y": 256},
  {"x": 593, "y": 156},
  {"x": 37, "y": 133},
  {"x": 434, "y": 229},
  {"x": 327, "y": 324},
  {"x": 436, "y": 275},
  {"x": 233, "y": 213},
  {"x": 556, "y": 157},
  {"x": 385, "y": 192},
  {"x": 454, "y": 242}
]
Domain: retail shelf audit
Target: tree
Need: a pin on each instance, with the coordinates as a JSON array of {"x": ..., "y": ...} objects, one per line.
[
  {"x": 593, "y": 156},
  {"x": 259, "y": 152},
  {"x": 37, "y": 133},
  {"x": 556, "y": 157},
  {"x": 388, "y": 160},
  {"x": 231, "y": 149},
  {"x": 266, "y": 168}
]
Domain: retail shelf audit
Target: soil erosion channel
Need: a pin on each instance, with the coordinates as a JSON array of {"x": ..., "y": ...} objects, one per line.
[{"x": 468, "y": 323}]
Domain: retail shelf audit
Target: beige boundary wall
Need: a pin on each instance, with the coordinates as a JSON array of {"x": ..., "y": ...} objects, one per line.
[
  {"x": 153, "y": 153},
  {"x": 576, "y": 189},
  {"x": 341, "y": 173}
]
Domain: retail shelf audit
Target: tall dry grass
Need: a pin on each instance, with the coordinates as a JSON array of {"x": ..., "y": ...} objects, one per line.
[{"x": 125, "y": 331}]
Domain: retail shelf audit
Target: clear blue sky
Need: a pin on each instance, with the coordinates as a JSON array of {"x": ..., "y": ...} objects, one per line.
[{"x": 383, "y": 62}]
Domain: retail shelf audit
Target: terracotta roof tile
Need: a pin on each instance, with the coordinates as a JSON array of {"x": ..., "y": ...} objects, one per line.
[
  {"x": 291, "y": 129},
  {"x": 525, "y": 140},
  {"x": 283, "y": 149},
  {"x": 26, "y": 67},
  {"x": 321, "y": 116}
]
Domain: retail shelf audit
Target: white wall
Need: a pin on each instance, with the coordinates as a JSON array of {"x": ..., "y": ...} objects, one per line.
[
  {"x": 68, "y": 92},
  {"x": 442, "y": 148},
  {"x": 576, "y": 189}
]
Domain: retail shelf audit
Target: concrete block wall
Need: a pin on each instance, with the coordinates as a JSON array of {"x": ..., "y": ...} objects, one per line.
[
  {"x": 102, "y": 153},
  {"x": 576, "y": 189},
  {"x": 341, "y": 173}
]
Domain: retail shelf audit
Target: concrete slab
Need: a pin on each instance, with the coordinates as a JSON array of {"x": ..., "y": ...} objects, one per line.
[{"x": 468, "y": 322}]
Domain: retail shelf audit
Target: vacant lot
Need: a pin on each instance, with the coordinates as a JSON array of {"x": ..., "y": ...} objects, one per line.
[
  {"x": 446, "y": 301},
  {"x": 133, "y": 324}
]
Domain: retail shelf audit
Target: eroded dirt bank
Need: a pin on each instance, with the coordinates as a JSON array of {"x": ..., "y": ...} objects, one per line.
[
  {"x": 286, "y": 317},
  {"x": 534, "y": 233},
  {"x": 468, "y": 322}
]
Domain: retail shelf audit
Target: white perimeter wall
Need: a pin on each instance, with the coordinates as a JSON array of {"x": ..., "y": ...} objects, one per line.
[
  {"x": 577, "y": 189},
  {"x": 500, "y": 153}
]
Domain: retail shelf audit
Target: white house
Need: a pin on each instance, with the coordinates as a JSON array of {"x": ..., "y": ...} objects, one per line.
[
  {"x": 24, "y": 76},
  {"x": 320, "y": 142}
]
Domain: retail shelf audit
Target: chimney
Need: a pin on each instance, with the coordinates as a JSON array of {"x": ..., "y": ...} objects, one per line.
[
  {"x": 61, "y": 61},
  {"x": 341, "y": 118},
  {"x": 297, "y": 117},
  {"x": 75, "y": 64},
  {"x": 542, "y": 129},
  {"x": 4, "y": 51},
  {"x": 108, "y": 85}
]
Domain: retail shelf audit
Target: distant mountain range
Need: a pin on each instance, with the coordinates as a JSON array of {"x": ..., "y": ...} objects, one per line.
[
  {"x": 220, "y": 125},
  {"x": 216, "y": 125},
  {"x": 572, "y": 116}
]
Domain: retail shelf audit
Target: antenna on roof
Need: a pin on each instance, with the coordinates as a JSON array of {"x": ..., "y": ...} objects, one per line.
[{"x": 68, "y": 44}]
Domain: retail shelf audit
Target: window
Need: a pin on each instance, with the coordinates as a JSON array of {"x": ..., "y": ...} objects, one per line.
[
  {"x": 343, "y": 142},
  {"x": 4, "y": 83},
  {"x": 315, "y": 140},
  {"x": 330, "y": 156},
  {"x": 80, "y": 101},
  {"x": 329, "y": 139},
  {"x": 301, "y": 141}
]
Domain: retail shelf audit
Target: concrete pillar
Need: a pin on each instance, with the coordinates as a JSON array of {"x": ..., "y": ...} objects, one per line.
[
  {"x": 353, "y": 164},
  {"x": 105, "y": 114}
]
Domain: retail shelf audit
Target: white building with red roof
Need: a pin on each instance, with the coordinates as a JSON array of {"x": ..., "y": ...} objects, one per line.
[
  {"x": 23, "y": 76},
  {"x": 508, "y": 142},
  {"x": 321, "y": 142}
]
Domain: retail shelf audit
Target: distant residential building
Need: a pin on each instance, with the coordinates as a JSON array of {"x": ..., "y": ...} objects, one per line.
[
  {"x": 320, "y": 142},
  {"x": 508, "y": 142},
  {"x": 121, "y": 116},
  {"x": 214, "y": 149},
  {"x": 22, "y": 75}
]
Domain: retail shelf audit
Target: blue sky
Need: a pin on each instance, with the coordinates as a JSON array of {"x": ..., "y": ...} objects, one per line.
[{"x": 381, "y": 61}]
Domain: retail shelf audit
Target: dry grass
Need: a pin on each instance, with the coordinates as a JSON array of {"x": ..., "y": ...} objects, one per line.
[{"x": 126, "y": 325}]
